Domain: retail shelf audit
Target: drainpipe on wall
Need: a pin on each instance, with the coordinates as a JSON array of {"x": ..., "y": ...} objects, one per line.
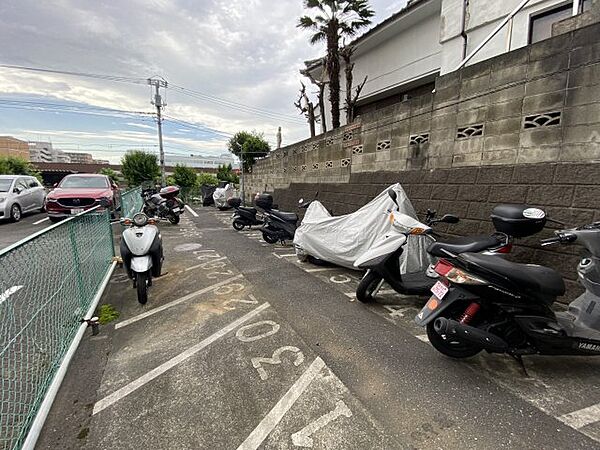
[{"x": 463, "y": 28}]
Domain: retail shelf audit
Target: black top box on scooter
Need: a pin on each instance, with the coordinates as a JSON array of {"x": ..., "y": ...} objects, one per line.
[
  {"x": 518, "y": 220},
  {"x": 234, "y": 202},
  {"x": 264, "y": 201}
]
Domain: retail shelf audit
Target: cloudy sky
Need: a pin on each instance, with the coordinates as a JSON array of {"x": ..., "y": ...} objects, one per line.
[{"x": 224, "y": 53}]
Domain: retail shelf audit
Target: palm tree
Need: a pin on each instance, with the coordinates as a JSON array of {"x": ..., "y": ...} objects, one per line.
[{"x": 332, "y": 21}]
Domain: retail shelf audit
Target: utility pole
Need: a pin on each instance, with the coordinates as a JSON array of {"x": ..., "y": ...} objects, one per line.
[
  {"x": 158, "y": 102},
  {"x": 242, "y": 178}
]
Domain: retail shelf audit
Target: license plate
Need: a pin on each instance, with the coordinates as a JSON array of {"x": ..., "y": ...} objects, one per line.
[
  {"x": 439, "y": 289},
  {"x": 176, "y": 209},
  {"x": 76, "y": 211}
]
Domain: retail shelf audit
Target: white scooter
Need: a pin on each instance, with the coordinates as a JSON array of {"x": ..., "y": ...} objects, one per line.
[{"x": 142, "y": 252}]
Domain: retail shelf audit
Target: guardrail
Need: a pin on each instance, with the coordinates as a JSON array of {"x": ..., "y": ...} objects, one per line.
[
  {"x": 131, "y": 202},
  {"x": 49, "y": 282}
]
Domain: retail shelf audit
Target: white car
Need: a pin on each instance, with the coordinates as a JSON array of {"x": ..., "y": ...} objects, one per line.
[{"x": 20, "y": 194}]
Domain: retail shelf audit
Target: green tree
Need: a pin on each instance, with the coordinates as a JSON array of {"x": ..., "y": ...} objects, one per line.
[
  {"x": 225, "y": 173},
  {"x": 138, "y": 166},
  {"x": 332, "y": 20},
  {"x": 184, "y": 176},
  {"x": 207, "y": 179},
  {"x": 248, "y": 146},
  {"x": 114, "y": 176},
  {"x": 11, "y": 165}
]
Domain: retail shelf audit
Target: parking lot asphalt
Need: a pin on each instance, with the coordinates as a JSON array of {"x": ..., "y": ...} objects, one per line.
[
  {"x": 11, "y": 232},
  {"x": 242, "y": 346}
]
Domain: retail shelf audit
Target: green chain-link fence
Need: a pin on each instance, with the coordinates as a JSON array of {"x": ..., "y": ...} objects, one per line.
[
  {"x": 131, "y": 202},
  {"x": 47, "y": 284}
]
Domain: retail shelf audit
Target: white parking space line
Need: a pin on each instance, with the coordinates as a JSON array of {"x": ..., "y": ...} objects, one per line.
[
  {"x": 194, "y": 213},
  {"x": 40, "y": 221},
  {"x": 287, "y": 255},
  {"x": 270, "y": 421},
  {"x": 422, "y": 337},
  {"x": 201, "y": 265},
  {"x": 10, "y": 291},
  {"x": 321, "y": 269},
  {"x": 154, "y": 373},
  {"x": 174, "y": 303},
  {"x": 582, "y": 417}
]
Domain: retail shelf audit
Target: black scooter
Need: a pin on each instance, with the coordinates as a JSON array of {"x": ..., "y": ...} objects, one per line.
[
  {"x": 244, "y": 216},
  {"x": 278, "y": 226},
  {"x": 489, "y": 303},
  {"x": 382, "y": 260}
]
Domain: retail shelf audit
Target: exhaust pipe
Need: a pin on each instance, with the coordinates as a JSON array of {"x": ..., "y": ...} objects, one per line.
[{"x": 487, "y": 341}]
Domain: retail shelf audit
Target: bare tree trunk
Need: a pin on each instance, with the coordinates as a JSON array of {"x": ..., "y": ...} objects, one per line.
[
  {"x": 333, "y": 69},
  {"x": 311, "y": 118},
  {"x": 348, "y": 68},
  {"x": 321, "y": 99}
]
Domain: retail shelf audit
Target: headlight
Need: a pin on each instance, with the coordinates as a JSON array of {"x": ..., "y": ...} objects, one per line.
[{"x": 140, "y": 219}]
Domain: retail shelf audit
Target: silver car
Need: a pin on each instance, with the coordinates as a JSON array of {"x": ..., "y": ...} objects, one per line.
[{"x": 20, "y": 194}]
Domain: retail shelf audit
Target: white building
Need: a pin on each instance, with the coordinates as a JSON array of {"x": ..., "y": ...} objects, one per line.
[
  {"x": 202, "y": 161},
  {"x": 403, "y": 55},
  {"x": 44, "y": 152}
]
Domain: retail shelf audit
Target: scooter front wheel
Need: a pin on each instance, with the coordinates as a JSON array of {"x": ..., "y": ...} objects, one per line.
[
  {"x": 174, "y": 219},
  {"x": 237, "y": 225},
  {"x": 142, "y": 287},
  {"x": 366, "y": 290}
]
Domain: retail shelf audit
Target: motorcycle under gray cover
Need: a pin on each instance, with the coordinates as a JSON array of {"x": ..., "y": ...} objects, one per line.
[{"x": 342, "y": 239}]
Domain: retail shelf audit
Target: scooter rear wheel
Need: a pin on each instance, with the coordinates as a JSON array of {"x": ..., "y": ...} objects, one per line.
[
  {"x": 238, "y": 226},
  {"x": 174, "y": 219},
  {"x": 269, "y": 238},
  {"x": 366, "y": 287},
  {"x": 142, "y": 287}
]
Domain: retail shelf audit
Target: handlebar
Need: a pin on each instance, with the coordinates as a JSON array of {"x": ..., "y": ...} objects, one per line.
[{"x": 560, "y": 238}]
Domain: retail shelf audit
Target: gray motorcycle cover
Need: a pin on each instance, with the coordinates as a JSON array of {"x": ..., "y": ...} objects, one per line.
[{"x": 342, "y": 239}]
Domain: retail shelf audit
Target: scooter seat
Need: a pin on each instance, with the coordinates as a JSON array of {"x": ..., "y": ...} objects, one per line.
[
  {"x": 288, "y": 217},
  {"x": 541, "y": 281},
  {"x": 472, "y": 244}
]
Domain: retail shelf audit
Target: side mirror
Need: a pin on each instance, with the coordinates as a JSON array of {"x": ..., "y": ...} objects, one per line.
[
  {"x": 114, "y": 186},
  {"x": 55, "y": 184},
  {"x": 17, "y": 190},
  {"x": 393, "y": 196},
  {"x": 449, "y": 218}
]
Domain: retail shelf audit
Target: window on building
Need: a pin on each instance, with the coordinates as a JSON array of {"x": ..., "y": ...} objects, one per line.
[{"x": 540, "y": 26}]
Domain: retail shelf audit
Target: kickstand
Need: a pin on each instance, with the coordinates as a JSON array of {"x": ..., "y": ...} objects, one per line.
[{"x": 519, "y": 359}]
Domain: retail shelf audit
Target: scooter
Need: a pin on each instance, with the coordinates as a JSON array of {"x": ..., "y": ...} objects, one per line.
[
  {"x": 244, "y": 216},
  {"x": 382, "y": 260},
  {"x": 278, "y": 226},
  {"x": 489, "y": 303},
  {"x": 142, "y": 252},
  {"x": 163, "y": 204}
]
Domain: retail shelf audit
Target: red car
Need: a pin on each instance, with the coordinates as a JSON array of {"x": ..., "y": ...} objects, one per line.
[{"x": 78, "y": 192}]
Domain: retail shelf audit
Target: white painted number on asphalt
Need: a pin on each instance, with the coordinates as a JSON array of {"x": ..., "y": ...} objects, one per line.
[
  {"x": 252, "y": 301},
  {"x": 303, "y": 437},
  {"x": 241, "y": 334},
  {"x": 4, "y": 296},
  {"x": 396, "y": 311},
  {"x": 276, "y": 359},
  {"x": 340, "y": 279}
]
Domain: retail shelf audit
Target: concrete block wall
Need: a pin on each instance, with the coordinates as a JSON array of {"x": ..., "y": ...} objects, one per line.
[
  {"x": 540, "y": 103},
  {"x": 568, "y": 192}
]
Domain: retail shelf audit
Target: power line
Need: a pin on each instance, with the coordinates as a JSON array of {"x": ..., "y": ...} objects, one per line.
[
  {"x": 198, "y": 127},
  {"x": 78, "y": 74},
  {"x": 236, "y": 106}
]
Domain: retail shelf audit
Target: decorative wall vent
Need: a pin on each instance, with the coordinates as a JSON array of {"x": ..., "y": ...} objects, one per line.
[
  {"x": 348, "y": 136},
  {"x": 384, "y": 145},
  {"x": 328, "y": 164},
  {"x": 316, "y": 166},
  {"x": 329, "y": 141},
  {"x": 345, "y": 162},
  {"x": 417, "y": 139},
  {"x": 303, "y": 167},
  {"x": 294, "y": 168},
  {"x": 294, "y": 151},
  {"x": 357, "y": 149},
  {"x": 548, "y": 119},
  {"x": 470, "y": 131},
  {"x": 315, "y": 146},
  {"x": 278, "y": 155},
  {"x": 285, "y": 153},
  {"x": 285, "y": 170}
]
